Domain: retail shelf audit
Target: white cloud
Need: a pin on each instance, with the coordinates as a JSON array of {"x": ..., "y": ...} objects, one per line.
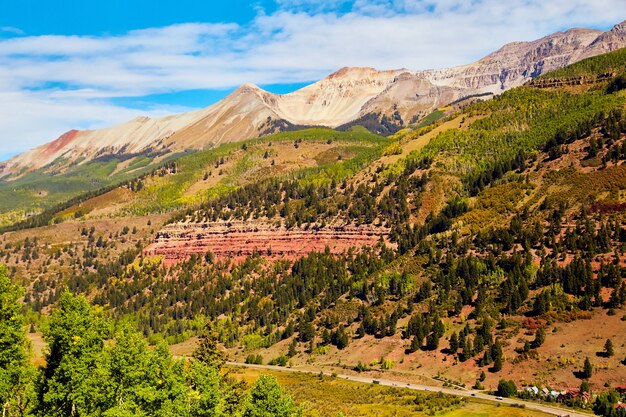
[
  {"x": 49, "y": 84},
  {"x": 27, "y": 117},
  {"x": 12, "y": 30}
]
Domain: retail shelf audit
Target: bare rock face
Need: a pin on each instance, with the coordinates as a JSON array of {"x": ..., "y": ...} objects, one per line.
[
  {"x": 336, "y": 99},
  {"x": 344, "y": 96},
  {"x": 608, "y": 41},
  {"x": 515, "y": 63},
  {"x": 239, "y": 239},
  {"x": 237, "y": 117}
]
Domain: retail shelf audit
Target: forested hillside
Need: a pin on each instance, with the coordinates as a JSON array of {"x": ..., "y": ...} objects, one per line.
[{"x": 501, "y": 253}]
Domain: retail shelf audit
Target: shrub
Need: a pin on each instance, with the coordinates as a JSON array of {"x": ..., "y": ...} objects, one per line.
[
  {"x": 506, "y": 388},
  {"x": 254, "y": 359},
  {"x": 279, "y": 361}
]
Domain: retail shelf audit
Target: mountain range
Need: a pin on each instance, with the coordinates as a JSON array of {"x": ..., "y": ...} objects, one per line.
[
  {"x": 481, "y": 247},
  {"x": 395, "y": 98}
]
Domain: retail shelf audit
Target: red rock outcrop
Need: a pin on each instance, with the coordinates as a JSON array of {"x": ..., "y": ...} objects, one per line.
[{"x": 238, "y": 239}]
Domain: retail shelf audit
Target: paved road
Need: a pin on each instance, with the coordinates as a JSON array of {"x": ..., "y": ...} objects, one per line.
[{"x": 463, "y": 393}]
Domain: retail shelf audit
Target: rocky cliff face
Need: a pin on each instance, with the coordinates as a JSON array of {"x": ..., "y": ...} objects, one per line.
[
  {"x": 239, "y": 239},
  {"x": 607, "y": 41},
  {"x": 344, "y": 96},
  {"x": 515, "y": 63}
]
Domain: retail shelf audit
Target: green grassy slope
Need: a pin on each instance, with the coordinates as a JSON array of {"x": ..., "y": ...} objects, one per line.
[
  {"x": 43, "y": 188},
  {"x": 251, "y": 160},
  {"x": 314, "y": 155}
]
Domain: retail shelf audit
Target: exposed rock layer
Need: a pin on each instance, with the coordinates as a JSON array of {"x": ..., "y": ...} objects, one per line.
[{"x": 239, "y": 239}]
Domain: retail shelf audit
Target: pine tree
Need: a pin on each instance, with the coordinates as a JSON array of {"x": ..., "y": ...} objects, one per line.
[
  {"x": 467, "y": 350},
  {"x": 540, "y": 337},
  {"x": 208, "y": 350},
  {"x": 496, "y": 354},
  {"x": 432, "y": 341},
  {"x": 608, "y": 348},
  {"x": 292, "y": 348},
  {"x": 587, "y": 369},
  {"x": 326, "y": 337},
  {"x": 415, "y": 344},
  {"x": 584, "y": 387},
  {"x": 340, "y": 337},
  {"x": 454, "y": 343}
]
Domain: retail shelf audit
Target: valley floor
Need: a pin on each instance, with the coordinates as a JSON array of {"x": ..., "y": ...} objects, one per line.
[{"x": 361, "y": 396}]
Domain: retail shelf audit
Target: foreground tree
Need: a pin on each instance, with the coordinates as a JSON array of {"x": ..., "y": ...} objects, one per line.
[
  {"x": 15, "y": 370},
  {"x": 91, "y": 371},
  {"x": 70, "y": 384},
  {"x": 140, "y": 381},
  {"x": 267, "y": 399},
  {"x": 213, "y": 393}
]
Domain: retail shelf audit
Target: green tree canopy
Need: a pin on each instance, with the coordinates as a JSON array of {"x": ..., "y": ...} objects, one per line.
[
  {"x": 15, "y": 371},
  {"x": 506, "y": 388},
  {"x": 69, "y": 384},
  {"x": 587, "y": 368},
  {"x": 267, "y": 399}
]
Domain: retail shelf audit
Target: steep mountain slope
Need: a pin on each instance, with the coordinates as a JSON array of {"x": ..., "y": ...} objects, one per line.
[
  {"x": 337, "y": 98},
  {"x": 516, "y": 62},
  {"x": 607, "y": 41},
  {"x": 235, "y": 118}
]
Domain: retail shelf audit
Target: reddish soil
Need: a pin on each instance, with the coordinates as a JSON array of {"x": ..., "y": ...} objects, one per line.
[
  {"x": 60, "y": 142},
  {"x": 240, "y": 239}
]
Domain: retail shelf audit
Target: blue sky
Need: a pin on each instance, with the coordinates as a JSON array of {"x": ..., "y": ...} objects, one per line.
[{"x": 90, "y": 64}]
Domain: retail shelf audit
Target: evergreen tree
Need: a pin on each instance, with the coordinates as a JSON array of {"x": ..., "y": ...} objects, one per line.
[
  {"x": 292, "y": 348},
  {"x": 497, "y": 356},
  {"x": 432, "y": 341},
  {"x": 340, "y": 337},
  {"x": 608, "y": 348},
  {"x": 326, "y": 337},
  {"x": 584, "y": 387},
  {"x": 15, "y": 370},
  {"x": 415, "y": 344},
  {"x": 467, "y": 349},
  {"x": 454, "y": 343},
  {"x": 208, "y": 350},
  {"x": 587, "y": 369},
  {"x": 267, "y": 398},
  {"x": 540, "y": 337}
]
